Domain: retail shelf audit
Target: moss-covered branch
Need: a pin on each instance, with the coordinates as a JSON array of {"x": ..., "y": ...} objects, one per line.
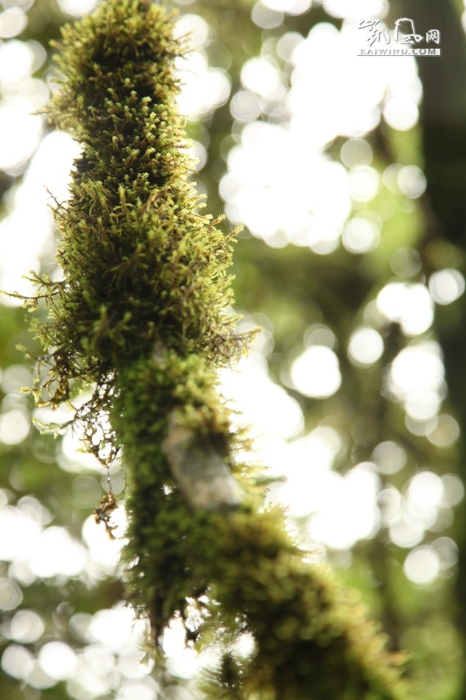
[{"x": 142, "y": 317}]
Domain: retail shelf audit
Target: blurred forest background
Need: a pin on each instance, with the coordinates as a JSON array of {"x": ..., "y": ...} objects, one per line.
[{"x": 348, "y": 173}]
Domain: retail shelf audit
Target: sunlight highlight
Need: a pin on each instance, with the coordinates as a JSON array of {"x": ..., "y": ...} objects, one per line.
[
  {"x": 26, "y": 229},
  {"x": 77, "y": 8},
  {"x": 410, "y": 305},
  {"x": 446, "y": 286},
  {"x": 291, "y": 7},
  {"x": 422, "y": 565},
  {"x": 264, "y": 405},
  {"x": 365, "y": 346},
  {"x": 203, "y": 88},
  {"x": 279, "y": 184},
  {"x": 353, "y": 500},
  {"x": 417, "y": 379},
  {"x": 316, "y": 372},
  {"x": 25, "y": 626}
]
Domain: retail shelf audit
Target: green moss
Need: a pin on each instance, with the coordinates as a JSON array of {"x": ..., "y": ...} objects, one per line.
[{"x": 142, "y": 317}]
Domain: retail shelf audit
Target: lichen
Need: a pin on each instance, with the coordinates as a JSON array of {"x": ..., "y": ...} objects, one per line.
[{"x": 142, "y": 320}]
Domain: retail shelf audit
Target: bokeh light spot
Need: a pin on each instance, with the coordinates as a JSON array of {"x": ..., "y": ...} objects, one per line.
[
  {"x": 364, "y": 183},
  {"x": 10, "y": 594},
  {"x": 57, "y": 553},
  {"x": 406, "y": 531},
  {"x": 319, "y": 334},
  {"x": 356, "y": 9},
  {"x": 390, "y": 504},
  {"x": 401, "y": 113},
  {"x": 422, "y": 565},
  {"x": 426, "y": 489},
  {"x": 105, "y": 553},
  {"x": 352, "y": 498},
  {"x": 14, "y": 426},
  {"x": 263, "y": 403},
  {"x": 26, "y": 626},
  {"x": 406, "y": 262},
  {"x": 77, "y": 8},
  {"x": 39, "y": 679},
  {"x": 360, "y": 235},
  {"x": 316, "y": 372},
  {"x": 12, "y": 22},
  {"x": 57, "y": 660},
  {"x": 133, "y": 664},
  {"x": 17, "y": 661},
  {"x": 412, "y": 181},
  {"x": 389, "y": 457},
  {"x": 447, "y": 552},
  {"x": 16, "y": 377},
  {"x": 265, "y": 17},
  {"x": 261, "y": 76},
  {"x": 20, "y": 133},
  {"x": 116, "y": 628},
  {"x": 365, "y": 346},
  {"x": 446, "y": 431},
  {"x": 16, "y": 62},
  {"x": 408, "y": 304},
  {"x": 203, "y": 88},
  {"x": 245, "y": 106},
  {"x": 356, "y": 152},
  {"x": 416, "y": 377},
  {"x": 194, "y": 26},
  {"x": 446, "y": 286},
  {"x": 453, "y": 489},
  {"x": 288, "y": 6}
]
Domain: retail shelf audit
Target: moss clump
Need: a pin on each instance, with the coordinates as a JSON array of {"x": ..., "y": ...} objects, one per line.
[{"x": 142, "y": 318}]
